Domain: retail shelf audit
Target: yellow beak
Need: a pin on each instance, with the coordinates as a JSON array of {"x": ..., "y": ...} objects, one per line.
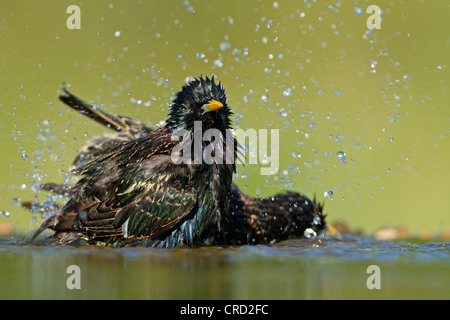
[{"x": 214, "y": 105}]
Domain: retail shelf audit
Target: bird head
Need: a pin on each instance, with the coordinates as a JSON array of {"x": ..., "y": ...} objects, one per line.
[{"x": 200, "y": 100}]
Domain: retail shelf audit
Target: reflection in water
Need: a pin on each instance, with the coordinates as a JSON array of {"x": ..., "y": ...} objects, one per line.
[{"x": 293, "y": 269}]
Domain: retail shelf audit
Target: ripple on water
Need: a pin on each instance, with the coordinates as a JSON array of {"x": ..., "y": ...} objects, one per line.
[{"x": 343, "y": 247}]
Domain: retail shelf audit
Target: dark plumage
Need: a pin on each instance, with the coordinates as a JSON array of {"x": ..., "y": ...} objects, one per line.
[
  {"x": 135, "y": 193},
  {"x": 268, "y": 220},
  {"x": 247, "y": 221}
]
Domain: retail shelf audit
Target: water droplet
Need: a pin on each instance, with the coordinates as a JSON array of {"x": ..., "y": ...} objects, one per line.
[
  {"x": 200, "y": 55},
  {"x": 4, "y": 214},
  {"x": 117, "y": 34},
  {"x": 328, "y": 194},
  {"x": 312, "y": 126},
  {"x": 224, "y": 45},
  {"x": 287, "y": 92},
  {"x": 283, "y": 112},
  {"x": 342, "y": 156},
  {"x": 358, "y": 11},
  {"x": 265, "y": 97},
  {"x": 218, "y": 62},
  {"x": 316, "y": 221},
  {"x": 309, "y": 233},
  {"x": 296, "y": 155}
]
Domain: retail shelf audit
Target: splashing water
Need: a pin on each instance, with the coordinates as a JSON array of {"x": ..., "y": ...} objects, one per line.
[
  {"x": 342, "y": 156},
  {"x": 328, "y": 194}
]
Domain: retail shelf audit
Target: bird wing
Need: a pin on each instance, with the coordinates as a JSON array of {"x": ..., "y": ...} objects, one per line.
[
  {"x": 155, "y": 213},
  {"x": 130, "y": 127},
  {"x": 135, "y": 190},
  {"x": 152, "y": 212}
]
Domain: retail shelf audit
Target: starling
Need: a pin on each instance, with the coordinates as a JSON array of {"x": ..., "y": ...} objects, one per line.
[
  {"x": 136, "y": 194},
  {"x": 248, "y": 220},
  {"x": 269, "y": 220}
]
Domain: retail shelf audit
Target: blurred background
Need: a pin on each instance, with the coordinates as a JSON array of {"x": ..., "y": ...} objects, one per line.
[{"x": 363, "y": 114}]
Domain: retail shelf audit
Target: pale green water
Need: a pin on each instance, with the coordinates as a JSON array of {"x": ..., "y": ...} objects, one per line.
[{"x": 294, "y": 269}]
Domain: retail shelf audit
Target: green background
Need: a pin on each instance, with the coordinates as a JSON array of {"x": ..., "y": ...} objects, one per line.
[{"x": 310, "y": 69}]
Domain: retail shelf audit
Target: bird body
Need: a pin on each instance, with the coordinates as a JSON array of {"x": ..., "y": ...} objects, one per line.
[
  {"x": 136, "y": 191},
  {"x": 133, "y": 193}
]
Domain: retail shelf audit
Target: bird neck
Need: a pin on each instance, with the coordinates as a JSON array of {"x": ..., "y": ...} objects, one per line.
[{"x": 214, "y": 190}]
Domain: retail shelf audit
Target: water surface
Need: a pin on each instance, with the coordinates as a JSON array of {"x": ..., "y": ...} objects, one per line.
[{"x": 334, "y": 268}]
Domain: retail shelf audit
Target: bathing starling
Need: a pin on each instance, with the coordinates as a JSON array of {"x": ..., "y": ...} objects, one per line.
[
  {"x": 135, "y": 193},
  {"x": 272, "y": 219},
  {"x": 248, "y": 220}
]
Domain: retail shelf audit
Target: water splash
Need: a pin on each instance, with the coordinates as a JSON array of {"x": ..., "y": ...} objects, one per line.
[
  {"x": 358, "y": 11},
  {"x": 4, "y": 214},
  {"x": 342, "y": 156},
  {"x": 224, "y": 45},
  {"x": 309, "y": 233},
  {"x": 287, "y": 92},
  {"x": 200, "y": 55},
  {"x": 328, "y": 194}
]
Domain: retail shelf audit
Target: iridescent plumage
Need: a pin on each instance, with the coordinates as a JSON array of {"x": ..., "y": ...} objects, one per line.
[
  {"x": 134, "y": 193},
  {"x": 131, "y": 194}
]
